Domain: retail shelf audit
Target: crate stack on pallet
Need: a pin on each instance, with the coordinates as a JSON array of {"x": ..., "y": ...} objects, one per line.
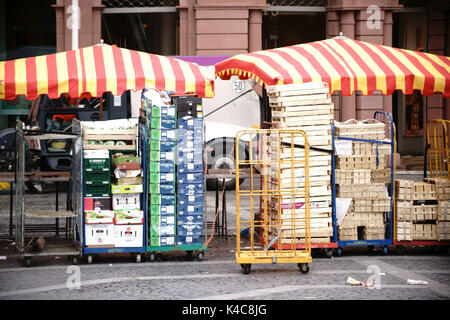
[
  {"x": 113, "y": 185},
  {"x": 162, "y": 192},
  {"x": 362, "y": 175},
  {"x": 403, "y": 209},
  {"x": 190, "y": 181},
  {"x": 306, "y": 107},
  {"x": 443, "y": 200}
]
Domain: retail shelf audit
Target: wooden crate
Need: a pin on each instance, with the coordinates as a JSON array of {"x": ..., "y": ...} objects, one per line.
[
  {"x": 372, "y": 191},
  {"x": 444, "y": 210},
  {"x": 403, "y": 210},
  {"x": 126, "y": 135},
  {"x": 371, "y": 130},
  {"x": 424, "y": 191},
  {"x": 425, "y": 231},
  {"x": 404, "y": 231},
  {"x": 424, "y": 212},
  {"x": 443, "y": 230},
  {"x": 404, "y": 189},
  {"x": 442, "y": 187},
  {"x": 296, "y": 89},
  {"x": 360, "y": 162}
]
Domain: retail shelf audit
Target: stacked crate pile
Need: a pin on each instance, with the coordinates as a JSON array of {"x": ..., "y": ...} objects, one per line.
[
  {"x": 306, "y": 107},
  {"x": 424, "y": 211},
  {"x": 362, "y": 175},
  {"x": 162, "y": 192},
  {"x": 190, "y": 180},
  {"x": 443, "y": 204},
  {"x": 403, "y": 209}
]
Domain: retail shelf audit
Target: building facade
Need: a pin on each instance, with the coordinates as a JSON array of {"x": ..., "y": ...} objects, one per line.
[{"x": 213, "y": 27}]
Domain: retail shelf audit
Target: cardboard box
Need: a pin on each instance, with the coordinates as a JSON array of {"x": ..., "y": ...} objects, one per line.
[
  {"x": 163, "y": 123},
  {"x": 129, "y": 236},
  {"x": 126, "y": 162},
  {"x": 118, "y": 173},
  {"x": 163, "y": 230},
  {"x": 163, "y": 188},
  {"x": 158, "y": 220},
  {"x": 194, "y": 199},
  {"x": 163, "y": 199},
  {"x": 190, "y": 189},
  {"x": 187, "y": 240},
  {"x": 196, "y": 219},
  {"x": 190, "y": 178},
  {"x": 157, "y": 156},
  {"x": 190, "y": 167},
  {"x": 162, "y": 209},
  {"x": 167, "y": 112},
  {"x": 190, "y": 209},
  {"x": 164, "y": 146},
  {"x": 132, "y": 188},
  {"x": 97, "y": 203},
  {"x": 99, "y": 235},
  {"x": 190, "y": 229},
  {"x": 98, "y": 216},
  {"x": 163, "y": 134},
  {"x": 157, "y": 241},
  {"x": 162, "y": 166},
  {"x": 128, "y": 217},
  {"x": 189, "y": 157},
  {"x": 162, "y": 177},
  {"x": 126, "y": 201}
]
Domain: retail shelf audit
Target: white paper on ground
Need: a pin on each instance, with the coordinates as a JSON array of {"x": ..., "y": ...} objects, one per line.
[{"x": 342, "y": 205}]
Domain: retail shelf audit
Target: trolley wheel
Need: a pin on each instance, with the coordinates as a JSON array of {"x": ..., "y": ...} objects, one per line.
[
  {"x": 189, "y": 254},
  {"x": 138, "y": 258},
  {"x": 385, "y": 250},
  {"x": 246, "y": 268},
  {"x": 200, "y": 256},
  {"x": 329, "y": 252},
  {"x": 89, "y": 258},
  {"x": 75, "y": 260},
  {"x": 339, "y": 251},
  {"x": 401, "y": 250},
  {"x": 370, "y": 249},
  {"x": 303, "y": 267},
  {"x": 27, "y": 261},
  {"x": 152, "y": 257}
]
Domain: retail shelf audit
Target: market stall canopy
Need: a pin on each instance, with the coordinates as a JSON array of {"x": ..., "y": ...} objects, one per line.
[
  {"x": 346, "y": 65},
  {"x": 98, "y": 69}
]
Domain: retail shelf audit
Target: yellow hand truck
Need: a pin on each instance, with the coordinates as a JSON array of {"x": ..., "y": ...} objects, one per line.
[
  {"x": 279, "y": 160},
  {"x": 437, "y": 154}
]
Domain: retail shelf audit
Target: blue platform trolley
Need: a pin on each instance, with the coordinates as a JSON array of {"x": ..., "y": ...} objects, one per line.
[
  {"x": 389, "y": 223},
  {"x": 135, "y": 145}
]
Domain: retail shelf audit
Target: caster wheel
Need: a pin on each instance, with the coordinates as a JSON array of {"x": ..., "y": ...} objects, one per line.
[
  {"x": 303, "y": 267},
  {"x": 200, "y": 256},
  {"x": 385, "y": 251},
  {"x": 89, "y": 258},
  {"x": 339, "y": 252},
  {"x": 401, "y": 250},
  {"x": 152, "y": 257},
  {"x": 138, "y": 258},
  {"x": 75, "y": 260},
  {"x": 329, "y": 252},
  {"x": 189, "y": 255},
  {"x": 370, "y": 249},
  {"x": 27, "y": 262},
  {"x": 246, "y": 268}
]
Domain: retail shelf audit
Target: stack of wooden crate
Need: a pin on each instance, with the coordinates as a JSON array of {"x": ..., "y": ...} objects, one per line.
[
  {"x": 307, "y": 107},
  {"x": 424, "y": 211},
  {"x": 403, "y": 209},
  {"x": 362, "y": 174},
  {"x": 443, "y": 206}
]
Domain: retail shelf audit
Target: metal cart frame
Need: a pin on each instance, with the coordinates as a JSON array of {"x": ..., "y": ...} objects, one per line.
[
  {"x": 71, "y": 247},
  {"x": 387, "y": 118},
  {"x": 274, "y": 252},
  {"x": 138, "y": 251}
]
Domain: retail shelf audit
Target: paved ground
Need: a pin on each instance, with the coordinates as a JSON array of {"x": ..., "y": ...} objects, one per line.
[{"x": 174, "y": 277}]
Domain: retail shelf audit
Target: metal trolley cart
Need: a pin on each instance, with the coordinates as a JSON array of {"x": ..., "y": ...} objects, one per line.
[
  {"x": 389, "y": 222},
  {"x": 437, "y": 160},
  {"x": 140, "y": 150},
  {"x": 284, "y": 222},
  {"x": 68, "y": 247},
  {"x": 158, "y": 219}
]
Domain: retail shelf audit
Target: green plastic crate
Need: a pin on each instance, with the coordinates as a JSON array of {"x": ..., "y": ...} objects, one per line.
[
  {"x": 97, "y": 165},
  {"x": 97, "y": 191},
  {"x": 97, "y": 178}
]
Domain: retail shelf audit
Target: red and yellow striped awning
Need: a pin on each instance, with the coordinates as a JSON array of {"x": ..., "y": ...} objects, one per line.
[
  {"x": 346, "y": 65},
  {"x": 98, "y": 69}
]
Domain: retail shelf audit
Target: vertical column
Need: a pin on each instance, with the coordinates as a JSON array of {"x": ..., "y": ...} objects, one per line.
[
  {"x": 191, "y": 29},
  {"x": 348, "y": 106},
  {"x": 387, "y": 41},
  {"x": 255, "y": 30},
  {"x": 333, "y": 29}
]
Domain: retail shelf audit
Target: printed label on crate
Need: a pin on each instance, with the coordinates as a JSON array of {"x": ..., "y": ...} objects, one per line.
[
  {"x": 163, "y": 199},
  {"x": 129, "y": 217},
  {"x": 182, "y": 219},
  {"x": 190, "y": 209},
  {"x": 186, "y": 240},
  {"x": 97, "y": 203},
  {"x": 190, "y": 178},
  {"x": 167, "y": 230},
  {"x": 132, "y": 188},
  {"x": 93, "y": 154},
  {"x": 98, "y": 216},
  {"x": 194, "y": 199},
  {"x": 162, "y": 166},
  {"x": 190, "y": 167},
  {"x": 190, "y": 229},
  {"x": 128, "y": 235},
  {"x": 126, "y": 201},
  {"x": 99, "y": 234},
  {"x": 190, "y": 189}
]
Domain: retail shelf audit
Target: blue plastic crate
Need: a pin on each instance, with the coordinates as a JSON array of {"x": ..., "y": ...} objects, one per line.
[
  {"x": 188, "y": 209},
  {"x": 190, "y": 167},
  {"x": 186, "y": 240},
  {"x": 190, "y": 177},
  {"x": 190, "y": 189},
  {"x": 190, "y": 229},
  {"x": 194, "y": 199},
  {"x": 182, "y": 219},
  {"x": 163, "y": 199},
  {"x": 162, "y": 166}
]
